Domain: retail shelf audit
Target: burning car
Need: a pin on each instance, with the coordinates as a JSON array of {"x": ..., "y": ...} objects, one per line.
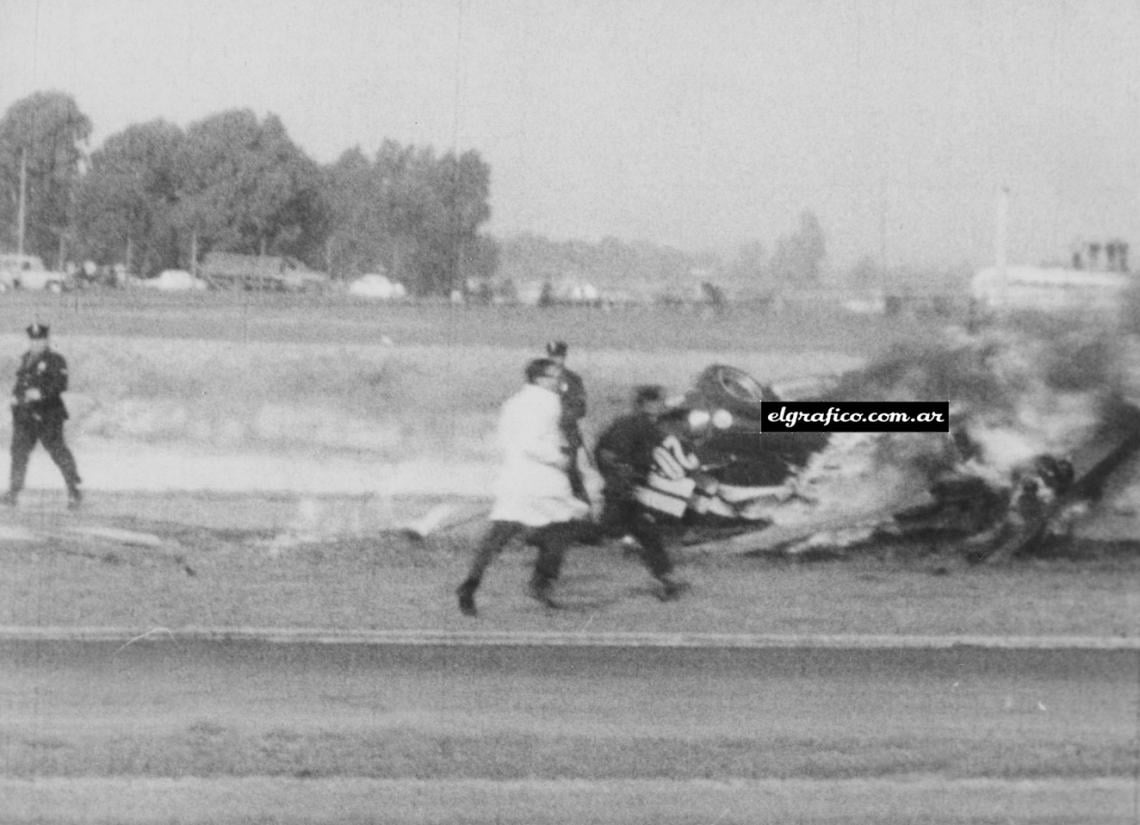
[
  {"x": 993, "y": 479},
  {"x": 720, "y": 415}
]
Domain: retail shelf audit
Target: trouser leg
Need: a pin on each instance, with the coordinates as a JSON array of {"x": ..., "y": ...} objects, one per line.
[
  {"x": 51, "y": 436},
  {"x": 626, "y": 517},
  {"x": 653, "y": 554},
  {"x": 616, "y": 514},
  {"x": 493, "y": 541},
  {"x": 551, "y": 541},
  {"x": 24, "y": 438}
]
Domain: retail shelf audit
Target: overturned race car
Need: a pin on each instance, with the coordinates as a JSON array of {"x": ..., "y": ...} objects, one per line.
[{"x": 735, "y": 486}]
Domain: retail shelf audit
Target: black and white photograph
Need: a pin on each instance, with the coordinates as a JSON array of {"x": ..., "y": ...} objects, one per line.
[{"x": 656, "y": 412}]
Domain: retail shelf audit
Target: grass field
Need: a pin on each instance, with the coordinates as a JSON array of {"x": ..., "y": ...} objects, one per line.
[
  {"x": 387, "y": 403},
  {"x": 389, "y": 381},
  {"x": 401, "y": 383},
  {"x": 293, "y": 319}
]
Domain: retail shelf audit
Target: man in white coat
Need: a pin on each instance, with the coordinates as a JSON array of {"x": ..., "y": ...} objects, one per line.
[{"x": 533, "y": 493}]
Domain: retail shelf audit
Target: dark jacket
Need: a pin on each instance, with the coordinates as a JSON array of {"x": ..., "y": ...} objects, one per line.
[
  {"x": 624, "y": 452},
  {"x": 573, "y": 393},
  {"x": 573, "y": 397},
  {"x": 47, "y": 372}
]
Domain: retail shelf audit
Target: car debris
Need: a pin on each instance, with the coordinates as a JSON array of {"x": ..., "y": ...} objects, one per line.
[{"x": 788, "y": 492}]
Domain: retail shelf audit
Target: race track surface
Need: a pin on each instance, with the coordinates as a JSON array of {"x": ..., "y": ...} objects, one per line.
[{"x": 212, "y": 731}]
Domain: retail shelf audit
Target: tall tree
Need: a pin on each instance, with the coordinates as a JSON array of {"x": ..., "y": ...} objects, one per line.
[
  {"x": 246, "y": 187},
  {"x": 481, "y": 258},
  {"x": 865, "y": 275},
  {"x": 124, "y": 207},
  {"x": 405, "y": 175},
  {"x": 456, "y": 207},
  {"x": 799, "y": 256},
  {"x": 354, "y": 191},
  {"x": 413, "y": 214},
  {"x": 48, "y": 133}
]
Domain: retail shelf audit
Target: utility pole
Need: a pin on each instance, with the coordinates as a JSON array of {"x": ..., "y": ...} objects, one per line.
[
  {"x": 21, "y": 221},
  {"x": 1000, "y": 241},
  {"x": 884, "y": 186},
  {"x": 885, "y": 286}
]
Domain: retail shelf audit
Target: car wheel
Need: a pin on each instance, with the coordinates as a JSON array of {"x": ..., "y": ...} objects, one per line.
[{"x": 733, "y": 389}]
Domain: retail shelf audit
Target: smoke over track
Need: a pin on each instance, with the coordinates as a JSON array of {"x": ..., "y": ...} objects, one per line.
[{"x": 1043, "y": 386}]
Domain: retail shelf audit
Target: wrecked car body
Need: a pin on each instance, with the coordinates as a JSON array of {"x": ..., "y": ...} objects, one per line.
[{"x": 801, "y": 489}]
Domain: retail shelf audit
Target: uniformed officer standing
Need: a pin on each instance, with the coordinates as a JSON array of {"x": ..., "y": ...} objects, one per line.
[
  {"x": 573, "y": 392},
  {"x": 38, "y": 414},
  {"x": 625, "y": 454}
]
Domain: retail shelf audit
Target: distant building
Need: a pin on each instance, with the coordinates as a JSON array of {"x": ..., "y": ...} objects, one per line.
[
  {"x": 1048, "y": 289},
  {"x": 1097, "y": 256},
  {"x": 1095, "y": 279}
]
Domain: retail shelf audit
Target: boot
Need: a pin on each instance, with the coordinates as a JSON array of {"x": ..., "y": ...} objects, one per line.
[
  {"x": 539, "y": 590},
  {"x": 466, "y": 594},
  {"x": 670, "y": 589},
  {"x": 74, "y": 498}
]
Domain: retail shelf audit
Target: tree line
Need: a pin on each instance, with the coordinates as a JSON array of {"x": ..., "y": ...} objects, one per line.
[{"x": 155, "y": 196}]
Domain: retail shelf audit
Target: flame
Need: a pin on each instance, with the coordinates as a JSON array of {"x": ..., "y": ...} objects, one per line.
[{"x": 1044, "y": 387}]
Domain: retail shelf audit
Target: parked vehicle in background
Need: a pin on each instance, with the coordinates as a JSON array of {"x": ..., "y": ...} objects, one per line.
[
  {"x": 174, "y": 280},
  {"x": 29, "y": 272},
  {"x": 375, "y": 285},
  {"x": 231, "y": 270}
]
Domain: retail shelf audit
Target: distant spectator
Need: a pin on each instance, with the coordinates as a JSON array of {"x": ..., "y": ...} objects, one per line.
[{"x": 546, "y": 297}]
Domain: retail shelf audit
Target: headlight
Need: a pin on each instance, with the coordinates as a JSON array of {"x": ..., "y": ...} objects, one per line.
[
  {"x": 698, "y": 420},
  {"x": 722, "y": 419}
]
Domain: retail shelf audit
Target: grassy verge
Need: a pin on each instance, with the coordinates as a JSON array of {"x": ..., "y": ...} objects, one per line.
[
  {"x": 203, "y": 577},
  {"x": 382, "y": 403},
  {"x": 242, "y": 317}
]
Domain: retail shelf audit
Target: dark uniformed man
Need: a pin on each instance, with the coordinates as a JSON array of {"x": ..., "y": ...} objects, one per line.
[
  {"x": 38, "y": 414},
  {"x": 625, "y": 456},
  {"x": 573, "y": 393}
]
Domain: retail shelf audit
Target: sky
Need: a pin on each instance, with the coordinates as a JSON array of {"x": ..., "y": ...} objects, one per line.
[{"x": 698, "y": 124}]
